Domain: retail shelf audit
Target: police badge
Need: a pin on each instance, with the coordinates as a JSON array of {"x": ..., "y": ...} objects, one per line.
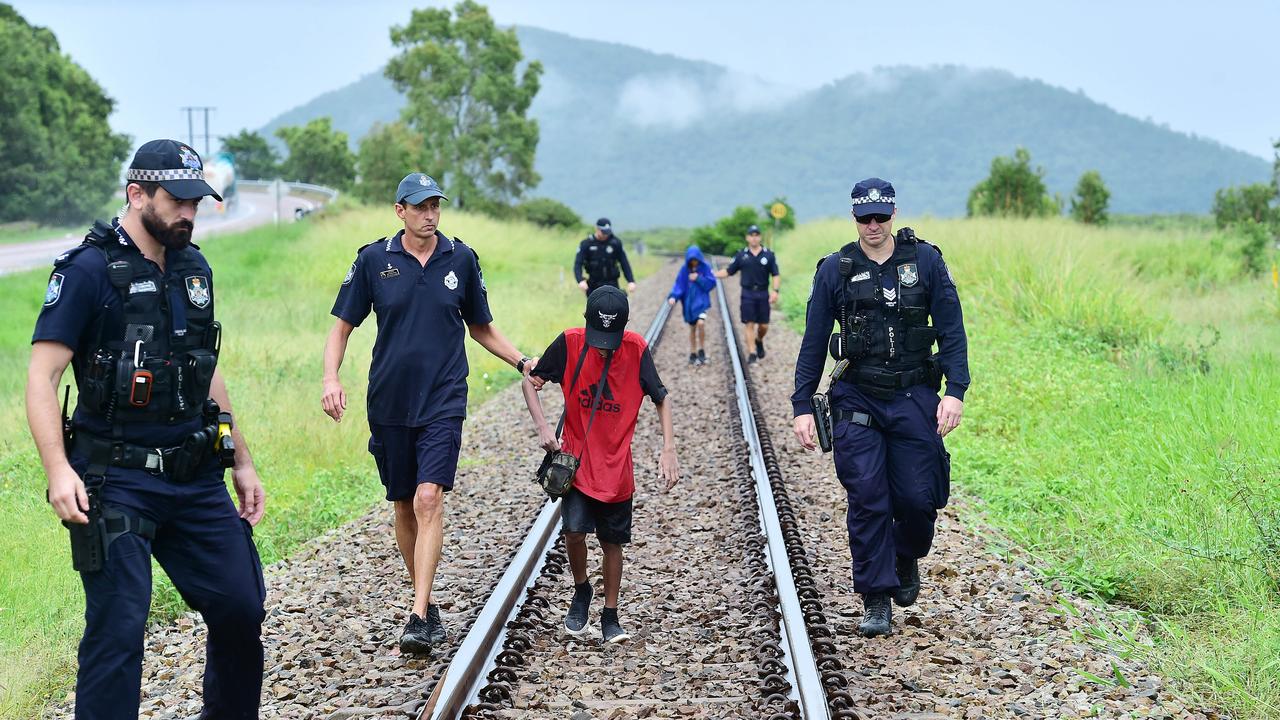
[
  {"x": 350, "y": 274},
  {"x": 907, "y": 275},
  {"x": 54, "y": 291},
  {"x": 451, "y": 281},
  {"x": 198, "y": 291}
]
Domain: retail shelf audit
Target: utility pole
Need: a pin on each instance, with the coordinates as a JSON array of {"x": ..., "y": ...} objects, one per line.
[{"x": 191, "y": 135}]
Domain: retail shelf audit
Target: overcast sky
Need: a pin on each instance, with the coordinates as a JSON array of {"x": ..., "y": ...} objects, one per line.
[{"x": 1206, "y": 68}]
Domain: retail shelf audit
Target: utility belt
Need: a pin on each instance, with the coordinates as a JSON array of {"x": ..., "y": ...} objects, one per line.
[
  {"x": 756, "y": 288},
  {"x": 180, "y": 463}
]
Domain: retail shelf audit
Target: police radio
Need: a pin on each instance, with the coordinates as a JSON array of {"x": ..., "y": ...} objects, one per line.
[{"x": 141, "y": 381}]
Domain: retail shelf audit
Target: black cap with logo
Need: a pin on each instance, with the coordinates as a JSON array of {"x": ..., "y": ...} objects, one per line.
[
  {"x": 606, "y": 315},
  {"x": 174, "y": 165}
]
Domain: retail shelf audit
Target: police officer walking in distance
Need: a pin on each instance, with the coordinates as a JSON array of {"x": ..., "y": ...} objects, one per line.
[
  {"x": 426, "y": 290},
  {"x": 601, "y": 254},
  {"x": 886, "y": 420},
  {"x": 757, "y": 264},
  {"x": 138, "y": 471}
]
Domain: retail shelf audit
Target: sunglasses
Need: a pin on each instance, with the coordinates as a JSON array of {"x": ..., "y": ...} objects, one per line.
[{"x": 880, "y": 218}]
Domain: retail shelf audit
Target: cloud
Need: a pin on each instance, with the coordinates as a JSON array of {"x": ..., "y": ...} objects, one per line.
[{"x": 677, "y": 101}]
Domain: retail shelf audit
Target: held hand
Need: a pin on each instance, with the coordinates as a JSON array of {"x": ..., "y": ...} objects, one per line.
[
  {"x": 529, "y": 366},
  {"x": 250, "y": 493},
  {"x": 67, "y": 495},
  {"x": 582, "y": 286},
  {"x": 631, "y": 287},
  {"x": 668, "y": 468},
  {"x": 547, "y": 439},
  {"x": 693, "y": 277},
  {"x": 671, "y": 301},
  {"x": 334, "y": 400},
  {"x": 949, "y": 412},
  {"x": 773, "y": 297},
  {"x": 805, "y": 431}
]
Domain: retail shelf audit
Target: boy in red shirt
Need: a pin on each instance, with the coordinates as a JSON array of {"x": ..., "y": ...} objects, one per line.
[{"x": 600, "y": 500}]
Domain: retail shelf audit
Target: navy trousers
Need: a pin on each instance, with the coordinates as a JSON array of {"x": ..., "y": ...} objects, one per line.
[
  {"x": 208, "y": 552},
  {"x": 896, "y": 478}
]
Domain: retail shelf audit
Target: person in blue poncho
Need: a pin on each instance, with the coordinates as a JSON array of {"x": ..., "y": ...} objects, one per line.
[{"x": 693, "y": 289}]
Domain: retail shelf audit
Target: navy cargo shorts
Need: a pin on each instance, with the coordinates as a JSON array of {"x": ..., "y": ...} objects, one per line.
[
  {"x": 410, "y": 456},
  {"x": 754, "y": 307}
]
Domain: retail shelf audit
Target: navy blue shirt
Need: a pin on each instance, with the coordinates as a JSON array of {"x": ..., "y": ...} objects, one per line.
[
  {"x": 824, "y": 302},
  {"x": 78, "y": 296},
  {"x": 755, "y": 269},
  {"x": 419, "y": 369}
]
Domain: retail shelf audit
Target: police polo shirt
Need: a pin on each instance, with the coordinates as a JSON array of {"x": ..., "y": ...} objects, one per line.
[
  {"x": 755, "y": 269},
  {"x": 78, "y": 296},
  {"x": 419, "y": 369}
]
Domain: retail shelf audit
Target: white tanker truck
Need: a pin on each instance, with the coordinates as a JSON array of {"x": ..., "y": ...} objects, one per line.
[{"x": 220, "y": 173}]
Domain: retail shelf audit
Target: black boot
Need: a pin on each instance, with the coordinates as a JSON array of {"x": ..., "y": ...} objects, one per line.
[
  {"x": 877, "y": 616},
  {"x": 760, "y": 349},
  {"x": 702, "y": 357},
  {"x": 908, "y": 582},
  {"x": 693, "y": 358}
]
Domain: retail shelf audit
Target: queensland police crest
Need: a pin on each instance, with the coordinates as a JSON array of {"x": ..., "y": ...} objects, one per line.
[
  {"x": 907, "y": 274},
  {"x": 451, "y": 281},
  {"x": 54, "y": 291},
  {"x": 198, "y": 291}
]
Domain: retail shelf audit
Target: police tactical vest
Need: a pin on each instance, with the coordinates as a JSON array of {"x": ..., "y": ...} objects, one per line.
[
  {"x": 898, "y": 337},
  {"x": 600, "y": 259},
  {"x": 169, "y": 338}
]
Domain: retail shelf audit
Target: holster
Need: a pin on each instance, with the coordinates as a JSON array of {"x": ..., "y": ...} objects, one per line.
[
  {"x": 88, "y": 542},
  {"x": 822, "y": 420}
]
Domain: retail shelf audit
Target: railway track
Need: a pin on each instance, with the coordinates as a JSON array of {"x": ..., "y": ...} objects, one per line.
[{"x": 718, "y": 595}]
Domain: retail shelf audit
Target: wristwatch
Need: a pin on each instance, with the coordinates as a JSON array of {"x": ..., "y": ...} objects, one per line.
[{"x": 520, "y": 365}]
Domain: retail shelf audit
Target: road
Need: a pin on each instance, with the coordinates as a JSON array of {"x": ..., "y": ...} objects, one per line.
[{"x": 252, "y": 209}]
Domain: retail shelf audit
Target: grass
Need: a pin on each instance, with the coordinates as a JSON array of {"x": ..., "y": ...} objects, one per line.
[
  {"x": 1121, "y": 426},
  {"x": 27, "y": 231},
  {"x": 275, "y": 289}
]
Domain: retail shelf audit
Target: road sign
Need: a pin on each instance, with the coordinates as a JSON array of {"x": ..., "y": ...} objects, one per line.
[{"x": 778, "y": 211}]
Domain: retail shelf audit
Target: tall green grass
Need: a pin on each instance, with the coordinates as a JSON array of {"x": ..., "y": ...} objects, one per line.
[
  {"x": 275, "y": 290},
  {"x": 1121, "y": 423}
]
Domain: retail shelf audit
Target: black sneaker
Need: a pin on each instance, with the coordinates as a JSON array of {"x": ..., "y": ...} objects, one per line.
[
  {"x": 416, "y": 638},
  {"x": 702, "y": 357},
  {"x": 610, "y": 628},
  {"x": 751, "y": 359},
  {"x": 435, "y": 628},
  {"x": 693, "y": 358},
  {"x": 877, "y": 617},
  {"x": 760, "y": 349},
  {"x": 575, "y": 621},
  {"x": 908, "y": 570}
]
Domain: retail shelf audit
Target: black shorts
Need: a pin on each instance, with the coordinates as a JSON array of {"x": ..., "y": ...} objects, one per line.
[
  {"x": 755, "y": 306},
  {"x": 410, "y": 456},
  {"x": 611, "y": 522}
]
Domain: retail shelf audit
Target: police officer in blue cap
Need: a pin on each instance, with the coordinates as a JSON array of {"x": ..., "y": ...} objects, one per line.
[
  {"x": 600, "y": 255},
  {"x": 891, "y": 298},
  {"x": 138, "y": 471},
  {"x": 428, "y": 293}
]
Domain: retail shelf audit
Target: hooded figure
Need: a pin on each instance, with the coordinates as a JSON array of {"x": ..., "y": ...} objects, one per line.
[{"x": 695, "y": 295}]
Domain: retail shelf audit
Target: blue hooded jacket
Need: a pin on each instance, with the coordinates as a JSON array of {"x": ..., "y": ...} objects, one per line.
[{"x": 695, "y": 296}]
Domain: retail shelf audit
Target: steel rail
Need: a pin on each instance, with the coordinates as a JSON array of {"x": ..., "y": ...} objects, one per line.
[
  {"x": 465, "y": 675},
  {"x": 806, "y": 681}
]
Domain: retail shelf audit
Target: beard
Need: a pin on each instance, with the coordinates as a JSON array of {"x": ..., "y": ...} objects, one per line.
[{"x": 173, "y": 236}]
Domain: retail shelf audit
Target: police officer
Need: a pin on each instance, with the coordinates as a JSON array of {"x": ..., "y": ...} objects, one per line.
[
  {"x": 139, "y": 470},
  {"x": 600, "y": 254},
  {"x": 757, "y": 264},
  {"x": 888, "y": 422},
  {"x": 426, "y": 289}
]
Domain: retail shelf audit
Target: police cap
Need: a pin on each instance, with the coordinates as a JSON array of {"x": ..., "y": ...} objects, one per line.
[
  {"x": 175, "y": 166},
  {"x": 873, "y": 196},
  {"x": 416, "y": 187}
]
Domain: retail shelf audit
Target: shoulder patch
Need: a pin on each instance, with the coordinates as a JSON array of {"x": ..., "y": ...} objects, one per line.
[
  {"x": 351, "y": 273},
  {"x": 54, "y": 290}
]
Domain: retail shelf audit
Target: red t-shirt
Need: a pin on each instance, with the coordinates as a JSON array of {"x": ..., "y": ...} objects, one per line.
[{"x": 606, "y": 471}]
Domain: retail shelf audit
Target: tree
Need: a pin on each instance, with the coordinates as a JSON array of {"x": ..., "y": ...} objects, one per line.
[
  {"x": 727, "y": 234},
  {"x": 788, "y": 222},
  {"x": 59, "y": 160},
  {"x": 1245, "y": 203},
  {"x": 387, "y": 154},
  {"x": 548, "y": 213},
  {"x": 1013, "y": 189},
  {"x": 254, "y": 157},
  {"x": 1089, "y": 204},
  {"x": 459, "y": 74},
  {"x": 318, "y": 154}
]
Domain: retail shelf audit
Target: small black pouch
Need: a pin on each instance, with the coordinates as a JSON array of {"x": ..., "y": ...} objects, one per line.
[{"x": 558, "y": 468}]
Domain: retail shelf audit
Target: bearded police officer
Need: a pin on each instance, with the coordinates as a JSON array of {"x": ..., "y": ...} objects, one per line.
[
  {"x": 757, "y": 265},
  {"x": 138, "y": 471},
  {"x": 425, "y": 288},
  {"x": 887, "y": 422},
  {"x": 600, "y": 255}
]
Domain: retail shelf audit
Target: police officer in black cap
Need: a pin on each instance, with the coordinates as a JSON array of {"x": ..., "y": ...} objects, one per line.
[
  {"x": 601, "y": 254},
  {"x": 757, "y": 264},
  {"x": 891, "y": 298},
  {"x": 138, "y": 470}
]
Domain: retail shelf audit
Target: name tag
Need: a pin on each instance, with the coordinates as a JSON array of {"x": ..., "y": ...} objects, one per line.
[
  {"x": 390, "y": 272},
  {"x": 145, "y": 286},
  {"x": 865, "y": 275}
]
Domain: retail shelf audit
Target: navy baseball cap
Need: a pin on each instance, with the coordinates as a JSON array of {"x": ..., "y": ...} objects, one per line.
[
  {"x": 873, "y": 196},
  {"x": 753, "y": 229},
  {"x": 604, "y": 226},
  {"x": 174, "y": 165},
  {"x": 607, "y": 314},
  {"x": 416, "y": 187}
]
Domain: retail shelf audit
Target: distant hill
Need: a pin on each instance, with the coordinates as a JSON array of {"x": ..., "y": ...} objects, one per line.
[{"x": 651, "y": 139}]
